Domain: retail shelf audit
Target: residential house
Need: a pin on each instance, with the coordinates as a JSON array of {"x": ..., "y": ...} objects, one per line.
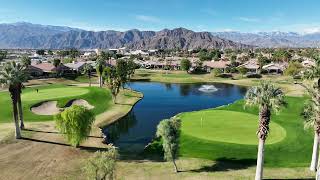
[
  {"x": 308, "y": 63},
  {"x": 76, "y": 66},
  {"x": 252, "y": 66},
  {"x": 210, "y": 65},
  {"x": 274, "y": 68},
  {"x": 46, "y": 69}
]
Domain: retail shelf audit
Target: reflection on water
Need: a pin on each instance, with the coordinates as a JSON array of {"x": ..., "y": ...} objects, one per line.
[
  {"x": 120, "y": 127},
  {"x": 161, "y": 101}
]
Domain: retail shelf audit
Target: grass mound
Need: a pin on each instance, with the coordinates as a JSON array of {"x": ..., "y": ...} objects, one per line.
[
  {"x": 227, "y": 126},
  {"x": 51, "y": 93}
]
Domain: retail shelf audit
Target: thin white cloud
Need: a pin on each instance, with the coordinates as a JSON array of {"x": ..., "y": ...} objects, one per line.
[
  {"x": 146, "y": 18},
  {"x": 225, "y": 30},
  {"x": 248, "y": 19},
  {"x": 228, "y": 30},
  {"x": 86, "y": 26},
  {"x": 302, "y": 28},
  {"x": 311, "y": 30}
]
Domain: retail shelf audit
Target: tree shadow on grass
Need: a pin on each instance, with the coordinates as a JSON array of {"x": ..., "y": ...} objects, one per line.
[
  {"x": 87, "y": 148},
  {"x": 227, "y": 164},
  {"x": 55, "y": 132}
]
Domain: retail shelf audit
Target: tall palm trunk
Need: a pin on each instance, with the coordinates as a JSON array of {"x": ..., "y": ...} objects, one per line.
[
  {"x": 100, "y": 80},
  {"x": 89, "y": 76},
  {"x": 262, "y": 135},
  {"x": 13, "y": 94},
  {"x": 20, "y": 110},
  {"x": 315, "y": 153},
  {"x": 175, "y": 166},
  {"x": 318, "y": 173},
  {"x": 260, "y": 159}
]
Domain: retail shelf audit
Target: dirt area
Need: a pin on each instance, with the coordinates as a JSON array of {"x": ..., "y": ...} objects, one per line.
[{"x": 44, "y": 154}]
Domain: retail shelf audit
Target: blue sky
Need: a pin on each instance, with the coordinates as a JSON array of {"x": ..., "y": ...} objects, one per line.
[{"x": 198, "y": 15}]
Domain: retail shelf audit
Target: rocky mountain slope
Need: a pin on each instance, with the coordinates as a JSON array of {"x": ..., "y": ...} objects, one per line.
[
  {"x": 273, "y": 39},
  {"x": 27, "y": 35}
]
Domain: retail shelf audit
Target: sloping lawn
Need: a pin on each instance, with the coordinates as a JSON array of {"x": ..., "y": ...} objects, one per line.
[
  {"x": 216, "y": 125},
  {"x": 288, "y": 144},
  {"x": 98, "y": 97}
]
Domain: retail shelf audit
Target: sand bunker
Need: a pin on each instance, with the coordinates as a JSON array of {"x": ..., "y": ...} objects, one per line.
[
  {"x": 79, "y": 102},
  {"x": 46, "y": 108},
  {"x": 50, "y": 107}
]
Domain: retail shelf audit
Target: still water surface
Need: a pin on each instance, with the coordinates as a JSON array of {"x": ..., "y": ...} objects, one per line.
[{"x": 164, "y": 100}]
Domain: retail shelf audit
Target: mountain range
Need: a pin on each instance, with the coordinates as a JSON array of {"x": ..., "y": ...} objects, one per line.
[
  {"x": 35, "y": 36},
  {"x": 275, "y": 39}
]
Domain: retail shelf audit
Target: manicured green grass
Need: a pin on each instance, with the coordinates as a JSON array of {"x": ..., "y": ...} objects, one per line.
[
  {"x": 100, "y": 98},
  {"x": 293, "y": 151},
  {"x": 217, "y": 125},
  {"x": 53, "y": 93}
]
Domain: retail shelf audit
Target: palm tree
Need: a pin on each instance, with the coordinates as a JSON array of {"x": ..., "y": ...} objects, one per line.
[
  {"x": 12, "y": 76},
  {"x": 100, "y": 66},
  {"x": 267, "y": 97},
  {"x": 313, "y": 118},
  {"x": 87, "y": 69},
  {"x": 311, "y": 115}
]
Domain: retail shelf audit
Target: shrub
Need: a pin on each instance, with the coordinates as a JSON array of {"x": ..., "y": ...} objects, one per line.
[
  {"x": 102, "y": 164},
  {"x": 242, "y": 70},
  {"x": 75, "y": 123},
  {"x": 185, "y": 64},
  {"x": 225, "y": 75},
  {"x": 254, "y": 75},
  {"x": 293, "y": 69},
  {"x": 217, "y": 72}
]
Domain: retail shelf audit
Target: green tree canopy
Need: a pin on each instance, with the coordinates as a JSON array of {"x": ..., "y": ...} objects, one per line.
[
  {"x": 242, "y": 70},
  {"x": 3, "y": 55},
  {"x": 56, "y": 62},
  {"x": 122, "y": 70},
  {"x": 293, "y": 69},
  {"x": 113, "y": 82},
  {"x": 75, "y": 123},
  {"x": 41, "y": 51},
  {"x": 185, "y": 64},
  {"x": 25, "y": 61},
  {"x": 50, "y": 52}
]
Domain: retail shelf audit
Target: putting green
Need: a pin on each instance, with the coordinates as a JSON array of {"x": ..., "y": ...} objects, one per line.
[
  {"x": 227, "y": 126},
  {"x": 53, "y": 93}
]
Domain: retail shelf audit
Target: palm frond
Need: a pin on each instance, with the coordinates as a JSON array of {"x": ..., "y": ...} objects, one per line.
[{"x": 265, "y": 94}]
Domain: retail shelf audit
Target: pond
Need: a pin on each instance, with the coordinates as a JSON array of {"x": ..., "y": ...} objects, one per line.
[{"x": 164, "y": 100}]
